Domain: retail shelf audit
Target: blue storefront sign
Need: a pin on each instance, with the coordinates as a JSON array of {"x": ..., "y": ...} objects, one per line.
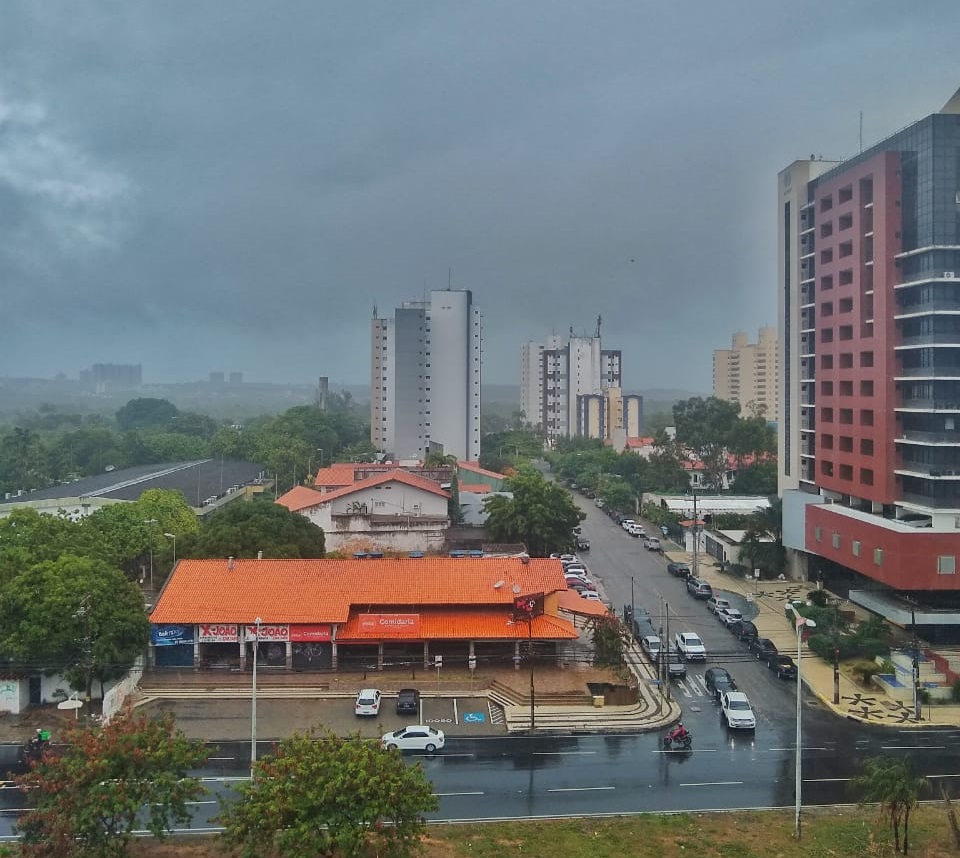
[{"x": 171, "y": 635}]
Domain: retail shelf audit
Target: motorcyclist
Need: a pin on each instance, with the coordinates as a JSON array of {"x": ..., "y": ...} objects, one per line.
[{"x": 679, "y": 732}]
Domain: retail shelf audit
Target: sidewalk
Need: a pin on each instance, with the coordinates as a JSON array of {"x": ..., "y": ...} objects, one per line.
[{"x": 857, "y": 702}]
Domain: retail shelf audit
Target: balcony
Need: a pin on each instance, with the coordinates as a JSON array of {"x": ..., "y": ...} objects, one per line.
[
  {"x": 922, "y": 308},
  {"x": 912, "y": 436},
  {"x": 929, "y": 405},
  {"x": 947, "y": 502},
  {"x": 937, "y": 338},
  {"x": 924, "y": 471},
  {"x": 951, "y": 372}
]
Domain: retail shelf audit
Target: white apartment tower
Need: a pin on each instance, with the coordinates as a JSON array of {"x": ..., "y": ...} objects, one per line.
[
  {"x": 748, "y": 373},
  {"x": 554, "y": 373},
  {"x": 425, "y": 377}
]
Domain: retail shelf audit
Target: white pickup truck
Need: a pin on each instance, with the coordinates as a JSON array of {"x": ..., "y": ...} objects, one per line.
[{"x": 690, "y": 646}]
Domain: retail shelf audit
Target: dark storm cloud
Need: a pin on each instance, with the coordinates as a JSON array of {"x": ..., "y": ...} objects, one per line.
[{"x": 234, "y": 186}]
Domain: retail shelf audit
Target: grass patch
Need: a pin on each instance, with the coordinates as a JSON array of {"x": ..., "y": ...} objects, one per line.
[{"x": 846, "y": 833}]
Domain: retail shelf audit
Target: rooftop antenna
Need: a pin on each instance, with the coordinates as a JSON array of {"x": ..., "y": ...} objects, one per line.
[
  {"x": 449, "y": 279},
  {"x": 861, "y": 130},
  {"x": 599, "y": 320},
  {"x": 374, "y": 311}
]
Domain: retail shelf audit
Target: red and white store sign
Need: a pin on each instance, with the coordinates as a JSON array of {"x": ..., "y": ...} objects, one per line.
[
  {"x": 219, "y": 633},
  {"x": 267, "y": 633},
  {"x": 309, "y": 634}
]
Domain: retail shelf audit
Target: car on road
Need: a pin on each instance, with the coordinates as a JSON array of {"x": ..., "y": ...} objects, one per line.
[
  {"x": 699, "y": 589},
  {"x": 652, "y": 544},
  {"x": 652, "y": 645},
  {"x": 690, "y": 646},
  {"x": 635, "y": 530},
  {"x": 783, "y": 666},
  {"x": 676, "y": 666},
  {"x": 416, "y": 737},
  {"x": 590, "y": 595},
  {"x": 583, "y": 544},
  {"x": 576, "y": 573},
  {"x": 743, "y": 630},
  {"x": 718, "y": 681},
  {"x": 408, "y": 701},
  {"x": 368, "y": 702},
  {"x": 580, "y": 585},
  {"x": 763, "y": 648},
  {"x": 627, "y": 523},
  {"x": 679, "y": 570},
  {"x": 736, "y": 711},
  {"x": 715, "y": 603},
  {"x": 729, "y": 616}
]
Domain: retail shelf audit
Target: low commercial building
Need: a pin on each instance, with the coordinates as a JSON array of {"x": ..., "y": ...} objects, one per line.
[{"x": 357, "y": 614}]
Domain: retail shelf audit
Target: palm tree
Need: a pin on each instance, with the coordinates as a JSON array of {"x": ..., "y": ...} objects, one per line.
[
  {"x": 763, "y": 540},
  {"x": 890, "y": 783}
]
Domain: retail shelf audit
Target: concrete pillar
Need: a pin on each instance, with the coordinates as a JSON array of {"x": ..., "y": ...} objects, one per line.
[
  {"x": 243, "y": 649},
  {"x": 333, "y": 655},
  {"x": 196, "y": 649},
  {"x": 426, "y": 654},
  {"x": 288, "y": 658},
  {"x": 380, "y": 656}
]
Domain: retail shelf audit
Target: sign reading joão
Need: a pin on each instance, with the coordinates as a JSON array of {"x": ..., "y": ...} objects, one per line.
[
  {"x": 267, "y": 633},
  {"x": 218, "y": 633}
]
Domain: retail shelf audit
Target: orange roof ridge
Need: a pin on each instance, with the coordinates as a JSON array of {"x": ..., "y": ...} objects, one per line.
[
  {"x": 300, "y": 497},
  {"x": 396, "y": 475}
]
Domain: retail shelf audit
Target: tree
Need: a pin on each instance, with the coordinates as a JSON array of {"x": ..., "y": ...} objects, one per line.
[
  {"x": 326, "y": 795},
  {"x": 109, "y": 782},
  {"x": 610, "y": 639},
  {"x": 541, "y": 514},
  {"x": 76, "y": 616},
  {"x": 705, "y": 427},
  {"x": 146, "y": 413},
  {"x": 889, "y": 782},
  {"x": 763, "y": 540},
  {"x": 243, "y": 529}
]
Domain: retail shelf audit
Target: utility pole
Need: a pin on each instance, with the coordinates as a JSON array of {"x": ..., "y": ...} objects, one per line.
[
  {"x": 666, "y": 614},
  {"x": 916, "y": 663},
  {"x": 696, "y": 538}
]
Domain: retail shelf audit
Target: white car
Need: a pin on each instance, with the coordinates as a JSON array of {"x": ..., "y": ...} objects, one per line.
[
  {"x": 416, "y": 737},
  {"x": 690, "y": 646},
  {"x": 368, "y": 702},
  {"x": 652, "y": 544},
  {"x": 736, "y": 711},
  {"x": 627, "y": 523},
  {"x": 590, "y": 595},
  {"x": 728, "y": 616}
]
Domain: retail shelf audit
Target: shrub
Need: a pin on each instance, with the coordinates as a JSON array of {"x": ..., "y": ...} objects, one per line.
[
  {"x": 818, "y": 598},
  {"x": 866, "y": 670},
  {"x": 955, "y": 691}
]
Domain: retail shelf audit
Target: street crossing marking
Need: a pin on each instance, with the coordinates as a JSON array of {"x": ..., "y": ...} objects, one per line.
[
  {"x": 715, "y": 783},
  {"x": 579, "y": 789}
]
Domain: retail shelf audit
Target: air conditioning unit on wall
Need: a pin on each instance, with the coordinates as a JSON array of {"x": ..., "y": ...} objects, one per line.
[{"x": 949, "y": 275}]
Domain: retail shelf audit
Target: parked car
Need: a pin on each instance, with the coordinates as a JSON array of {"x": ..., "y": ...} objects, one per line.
[
  {"x": 736, "y": 711},
  {"x": 652, "y": 544},
  {"x": 676, "y": 666},
  {"x": 652, "y": 645},
  {"x": 690, "y": 646},
  {"x": 764, "y": 648},
  {"x": 408, "y": 701},
  {"x": 699, "y": 589},
  {"x": 368, "y": 702},
  {"x": 744, "y": 630},
  {"x": 729, "y": 616},
  {"x": 414, "y": 738},
  {"x": 715, "y": 603},
  {"x": 580, "y": 585},
  {"x": 679, "y": 570},
  {"x": 590, "y": 595},
  {"x": 583, "y": 544},
  {"x": 626, "y": 522},
  {"x": 575, "y": 573},
  {"x": 783, "y": 666},
  {"x": 636, "y": 530},
  {"x": 718, "y": 680}
]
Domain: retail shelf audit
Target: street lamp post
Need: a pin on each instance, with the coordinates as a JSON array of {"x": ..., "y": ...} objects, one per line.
[
  {"x": 173, "y": 536},
  {"x": 253, "y": 700},
  {"x": 151, "y": 522},
  {"x": 801, "y": 622}
]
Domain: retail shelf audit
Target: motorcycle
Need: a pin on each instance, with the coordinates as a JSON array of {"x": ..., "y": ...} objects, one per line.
[{"x": 680, "y": 736}]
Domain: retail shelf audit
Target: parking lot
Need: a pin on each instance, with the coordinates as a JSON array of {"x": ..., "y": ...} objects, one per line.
[{"x": 226, "y": 719}]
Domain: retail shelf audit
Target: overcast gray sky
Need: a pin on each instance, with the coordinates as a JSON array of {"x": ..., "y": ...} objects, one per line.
[{"x": 233, "y": 185}]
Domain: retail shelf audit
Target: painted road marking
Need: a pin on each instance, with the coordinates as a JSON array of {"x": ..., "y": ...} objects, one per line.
[
  {"x": 580, "y": 789},
  {"x": 561, "y": 753},
  {"x": 913, "y": 747},
  {"x": 446, "y": 794},
  {"x": 473, "y": 717},
  {"x": 716, "y": 783}
]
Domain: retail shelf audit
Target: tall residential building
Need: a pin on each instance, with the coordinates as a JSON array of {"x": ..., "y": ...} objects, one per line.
[
  {"x": 553, "y": 374},
  {"x": 748, "y": 373},
  {"x": 869, "y": 306},
  {"x": 425, "y": 377}
]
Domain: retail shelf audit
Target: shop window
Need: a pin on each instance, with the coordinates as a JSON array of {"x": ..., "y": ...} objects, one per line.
[
  {"x": 836, "y": 540},
  {"x": 878, "y": 556},
  {"x": 855, "y": 547}
]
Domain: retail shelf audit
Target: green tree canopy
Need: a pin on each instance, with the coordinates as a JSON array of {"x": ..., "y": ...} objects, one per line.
[
  {"x": 541, "y": 514},
  {"x": 243, "y": 529},
  {"x": 146, "y": 413},
  {"x": 76, "y": 616},
  {"x": 325, "y": 795},
  {"x": 108, "y": 783}
]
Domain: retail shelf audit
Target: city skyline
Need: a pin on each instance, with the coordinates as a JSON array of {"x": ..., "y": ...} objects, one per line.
[{"x": 194, "y": 191}]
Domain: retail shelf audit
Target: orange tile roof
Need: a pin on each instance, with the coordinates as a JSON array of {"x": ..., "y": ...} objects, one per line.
[
  {"x": 476, "y": 488},
  {"x": 337, "y": 475},
  {"x": 301, "y": 497},
  {"x": 571, "y": 600},
  {"x": 394, "y": 476},
  {"x": 464, "y": 625},
  {"x": 324, "y": 591}
]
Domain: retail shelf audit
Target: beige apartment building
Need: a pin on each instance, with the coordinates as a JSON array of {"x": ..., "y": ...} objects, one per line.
[{"x": 749, "y": 373}]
